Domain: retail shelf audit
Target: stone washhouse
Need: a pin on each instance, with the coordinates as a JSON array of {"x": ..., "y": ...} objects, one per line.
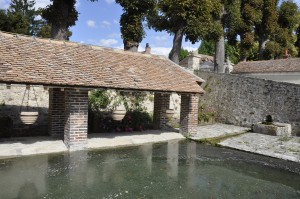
[{"x": 69, "y": 70}]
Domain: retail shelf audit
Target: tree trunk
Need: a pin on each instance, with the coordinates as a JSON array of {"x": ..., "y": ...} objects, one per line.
[
  {"x": 243, "y": 50},
  {"x": 220, "y": 55},
  {"x": 59, "y": 29},
  {"x": 131, "y": 46},
  {"x": 262, "y": 46},
  {"x": 177, "y": 43}
]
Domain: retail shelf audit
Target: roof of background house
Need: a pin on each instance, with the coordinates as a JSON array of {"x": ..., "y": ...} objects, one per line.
[
  {"x": 268, "y": 66},
  {"x": 202, "y": 58},
  {"x": 27, "y": 60}
]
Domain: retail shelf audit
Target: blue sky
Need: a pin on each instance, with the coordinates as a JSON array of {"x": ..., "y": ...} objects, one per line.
[{"x": 98, "y": 24}]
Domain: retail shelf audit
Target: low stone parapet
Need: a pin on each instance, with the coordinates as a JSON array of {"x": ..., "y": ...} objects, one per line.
[{"x": 274, "y": 128}]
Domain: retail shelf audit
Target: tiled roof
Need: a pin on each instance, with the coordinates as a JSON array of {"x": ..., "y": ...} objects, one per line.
[
  {"x": 30, "y": 60},
  {"x": 269, "y": 66}
]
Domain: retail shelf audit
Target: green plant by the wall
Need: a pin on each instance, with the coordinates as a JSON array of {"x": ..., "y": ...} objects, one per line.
[
  {"x": 205, "y": 113},
  {"x": 98, "y": 99}
]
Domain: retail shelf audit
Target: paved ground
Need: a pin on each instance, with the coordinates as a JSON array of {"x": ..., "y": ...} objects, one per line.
[
  {"x": 274, "y": 146},
  {"x": 217, "y": 130},
  {"x": 231, "y": 137},
  {"x": 15, "y": 147},
  {"x": 112, "y": 140}
]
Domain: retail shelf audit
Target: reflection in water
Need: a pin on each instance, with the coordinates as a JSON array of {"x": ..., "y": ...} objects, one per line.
[
  {"x": 28, "y": 191},
  {"x": 147, "y": 154},
  {"x": 191, "y": 158},
  {"x": 172, "y": 158},
  {"x": 23, "y": 176},
  {"x": 110, "y": 170},
  {"x": 171, "y": 170},
  {"x": 77, "y": 168}
]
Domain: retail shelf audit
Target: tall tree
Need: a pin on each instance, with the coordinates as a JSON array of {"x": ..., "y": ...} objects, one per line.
[
  {"x": 61, "y": 14},
  {"x": 194, "y": 19},
  {"x": 288, "y": 19},
  {"x": 251, "y": 15},
  {"x": 242, "y": 16},
  {"x": 134, "y": 12},
  {"x": 19, "y": 17},
  {"x": 267, "y": 26}
]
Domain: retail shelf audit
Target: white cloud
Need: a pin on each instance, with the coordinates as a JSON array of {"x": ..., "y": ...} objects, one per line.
[
  {"x": 41, "y": 3},
  {"x": 105, "y": 24},
  {"x": 156, "y": 50},
  {"x": 78, "y": 3},
  {"x": 108, "y": 42},
  {"x": 110, "y": 1},
  {"x": 161, "y": 38},
  {"x": 116, "y": 22},
  {"x": 188, "y": 48},
  {"x": 161, "y": 51},
  {"x": 4, "y": 4},
  {"x": 114, "y": 35},
  {"x": 91, "y": 24}
]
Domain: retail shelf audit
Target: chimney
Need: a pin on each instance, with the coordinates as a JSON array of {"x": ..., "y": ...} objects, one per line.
[{"x": 147, "y": 49}]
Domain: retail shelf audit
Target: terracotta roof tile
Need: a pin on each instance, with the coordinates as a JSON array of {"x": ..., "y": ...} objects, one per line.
[
  {"x": 58, "y": 63},
  {"x": 269, "y": 66}
]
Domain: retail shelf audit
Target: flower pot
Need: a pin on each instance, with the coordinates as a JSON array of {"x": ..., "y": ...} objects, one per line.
[
  {"x": 118, "y": 115},
  {"x": 170, "y": 112},
  {"x": 29, "y": 117}
]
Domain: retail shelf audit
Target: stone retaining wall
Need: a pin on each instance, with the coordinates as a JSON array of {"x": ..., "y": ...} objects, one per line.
[{"x": 244, "y": 101}]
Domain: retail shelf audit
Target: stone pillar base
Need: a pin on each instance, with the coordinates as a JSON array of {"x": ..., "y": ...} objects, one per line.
[
  {"x": 189, "y": 114},
  {"x": 56, "y": 113},
  {"x": 161, "y": 104},
  {"x": 76, "y": 119}
]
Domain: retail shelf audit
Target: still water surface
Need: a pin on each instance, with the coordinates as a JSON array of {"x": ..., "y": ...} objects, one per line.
[{"x": 170, "y": 170}]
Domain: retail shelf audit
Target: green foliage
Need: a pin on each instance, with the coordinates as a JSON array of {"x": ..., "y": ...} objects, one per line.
[
  {"x": 288, "y": 15},
  {"x": 205, "y": 113},
  {"x": 133, "y": 121},
  {"x": 231, "y": 51},
  {"x": 207, "y": 48},
  {"x": 194, "y": 19},
  {"x": 183, "y": 54},
  {"x": 136, "y": 118},
  {"x": 134, "y": 101},
  {"x": 197, "y": 18},
  {"x": 19, "y": 17},
  {"x": 98, "y": 99},
  {"x": 131, "y": 20},
  {"x": 273, "y": 50},
  {"x": 132, "y": 30},
  {"x": 61, "y": 15},
  {"x": 241, "y": 18},
  {"x": 61, "y": 12}
]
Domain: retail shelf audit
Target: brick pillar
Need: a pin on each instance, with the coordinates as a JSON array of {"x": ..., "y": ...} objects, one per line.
[
  {"x": 76, "y": 122},
  {"x": 56, "y": 111},
  {"x": 189, "y": 114},
  {"x": 161, "y": 104}
]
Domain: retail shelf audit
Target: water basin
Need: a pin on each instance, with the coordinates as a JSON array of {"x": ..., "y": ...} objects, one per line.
[{"x": 177, "y": 169}]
